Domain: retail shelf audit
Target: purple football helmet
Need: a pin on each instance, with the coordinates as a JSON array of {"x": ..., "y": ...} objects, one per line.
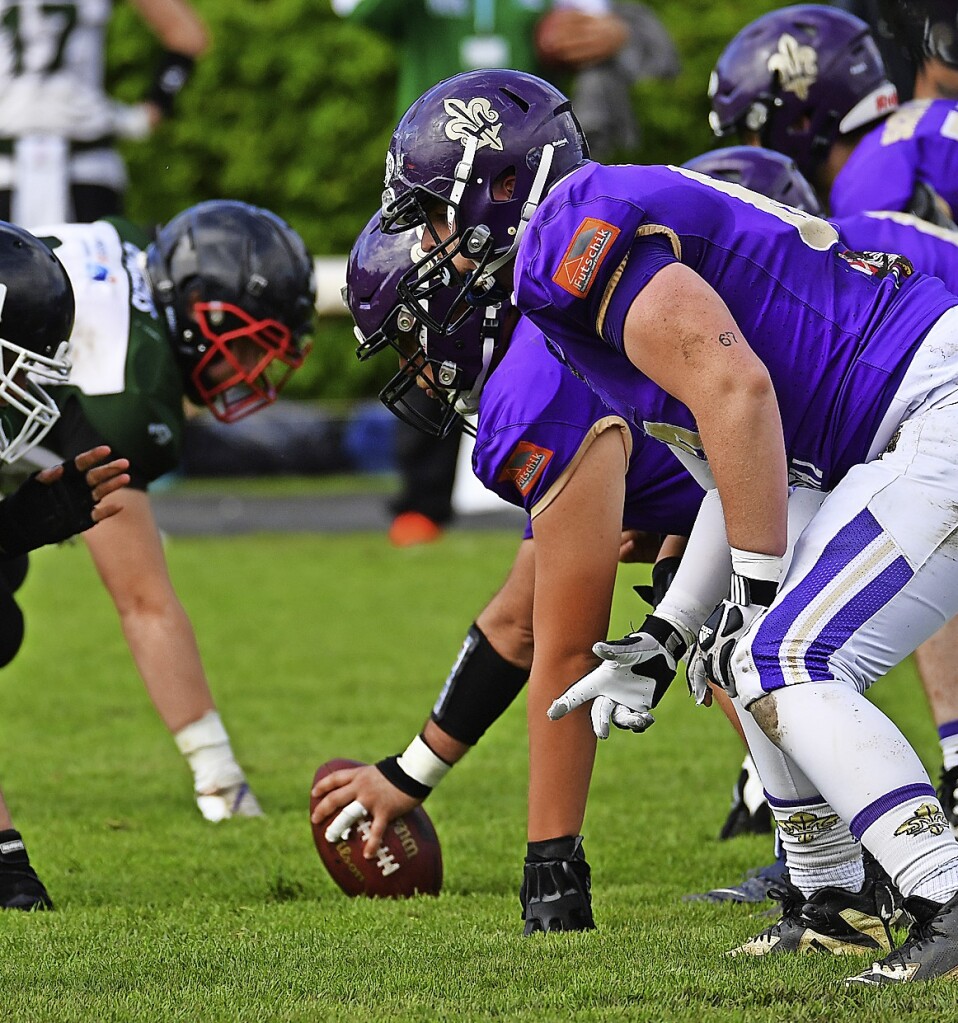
[
  {"x": 799, "y": 77},
  {"x": 761, "y": 170},
  {"x": 458, "y": 362},
  {"x": 451, "y": 153}
]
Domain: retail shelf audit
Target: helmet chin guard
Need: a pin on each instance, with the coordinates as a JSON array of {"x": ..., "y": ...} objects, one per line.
[
  {"x": 36, "y": 321},
  {"x": 453, "y": 366}
]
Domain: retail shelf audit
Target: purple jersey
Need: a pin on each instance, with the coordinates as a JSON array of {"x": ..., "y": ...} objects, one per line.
[
  {"x": 933, "y": 250},
  {"x": 835, "y": 329},
  {"x": 919, "y": 142},
  {"x": 535, "y": 421}
]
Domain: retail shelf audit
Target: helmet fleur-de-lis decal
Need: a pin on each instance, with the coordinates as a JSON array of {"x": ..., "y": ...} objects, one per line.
[
  {"x": 795, "y": 65},
  {"x": 475, "y": 119}
]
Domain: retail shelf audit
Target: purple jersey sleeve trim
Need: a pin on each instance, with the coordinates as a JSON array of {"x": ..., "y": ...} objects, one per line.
[
  {"x": 650, "y": 253},
  {"x": 599, "y": 427}
]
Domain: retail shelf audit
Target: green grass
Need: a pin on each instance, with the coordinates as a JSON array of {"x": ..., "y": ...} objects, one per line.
[{"x": 335, "y": 646}]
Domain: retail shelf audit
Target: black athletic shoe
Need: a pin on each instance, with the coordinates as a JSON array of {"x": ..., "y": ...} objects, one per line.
[
  {"x": 20, "y": 888},
  {"x": 749, "y": 813},
  {"x": 556, "y": 892},
  {"x": 830, "y": 920},
  {"x": 947, "y": 793},
  {"x": 929, "y": 951}
]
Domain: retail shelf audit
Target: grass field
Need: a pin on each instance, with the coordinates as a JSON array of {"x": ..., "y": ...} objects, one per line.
[{"x": 321, "y": 646}]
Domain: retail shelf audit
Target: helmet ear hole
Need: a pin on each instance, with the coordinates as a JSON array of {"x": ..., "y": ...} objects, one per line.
[{"x": 504, "y": 186}]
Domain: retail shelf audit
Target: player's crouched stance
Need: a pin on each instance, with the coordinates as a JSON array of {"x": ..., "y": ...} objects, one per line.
[
  {"x": 49, "y": 507},
  {"x": 58, "y": 502}
]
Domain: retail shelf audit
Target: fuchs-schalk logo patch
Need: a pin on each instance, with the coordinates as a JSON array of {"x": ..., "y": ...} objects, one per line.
[
  {"x": 580, "y": 264},
  {"x": 525, "y": 465}
]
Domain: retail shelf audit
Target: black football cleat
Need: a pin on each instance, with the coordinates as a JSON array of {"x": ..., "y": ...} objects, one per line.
[
  {"x": 929, "y": 951},
  {"x": 556, "y": 892},
  {"x": 749, "y": 813},
  {"x": 20, "y": 888},
  {"x": 830, "y": 920}
]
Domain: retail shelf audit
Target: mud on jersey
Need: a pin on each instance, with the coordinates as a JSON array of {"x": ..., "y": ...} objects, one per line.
[{"x": 835, "y": 333}]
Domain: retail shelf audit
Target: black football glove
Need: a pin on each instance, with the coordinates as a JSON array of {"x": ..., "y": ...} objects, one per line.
[
  {"x": 41, "y": 513},
  {"x": 556, "y": 892}
]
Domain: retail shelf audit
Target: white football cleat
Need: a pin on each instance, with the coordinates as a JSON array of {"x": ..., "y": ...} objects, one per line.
[{"x": 234, "y": 801}]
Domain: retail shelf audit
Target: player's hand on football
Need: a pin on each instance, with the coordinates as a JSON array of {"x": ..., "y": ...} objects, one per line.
[
  {"x": 378, "y": 800},
  {"x": 102, "y": 477},
  {"x": 633, "y": 676}
]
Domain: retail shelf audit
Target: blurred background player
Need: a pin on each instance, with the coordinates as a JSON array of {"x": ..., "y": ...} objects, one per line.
[
  {"x": 924, "y": 34},
  {"x": 809, "y": 82},
  {"x": 436, "y": 40},
  {"x": 531, "y": 445},
  {"x": 51, "y": 505},
  {"x": 58, "y": 126},
  {"x": 216, "y": 309}
]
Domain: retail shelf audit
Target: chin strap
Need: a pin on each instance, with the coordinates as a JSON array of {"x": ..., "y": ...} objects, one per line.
[{"x": 467, "y": 404}]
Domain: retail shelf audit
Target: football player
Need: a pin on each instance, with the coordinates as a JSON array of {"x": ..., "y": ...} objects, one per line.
[
  {"x": 215, "y": 309},
  {"x": 933, "y": 250},
  {"x": 536, "y": 447},
  {"x": 37, "y": 307},
  {"x": 808, "y": 81},
  {"x": 58, "y": 125},
  {"x": 741, "y": 333}
]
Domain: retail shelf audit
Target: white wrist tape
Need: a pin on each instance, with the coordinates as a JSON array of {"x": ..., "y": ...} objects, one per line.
[
  {"x": 422, "y": 765},
  {"x": 767, "y": 567}
]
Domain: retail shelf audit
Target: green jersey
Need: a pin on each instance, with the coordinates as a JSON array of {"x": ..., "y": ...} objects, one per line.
[
  {"x": 125, "y": 386},
  {"x": 440, "y": 38}
]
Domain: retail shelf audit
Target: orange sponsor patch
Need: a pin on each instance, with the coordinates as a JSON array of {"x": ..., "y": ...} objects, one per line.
[
  {"x": 525, "y": 465},
  {"x": 588, "y": 248}
]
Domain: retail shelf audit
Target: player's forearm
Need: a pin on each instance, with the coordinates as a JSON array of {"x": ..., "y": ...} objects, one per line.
[{"x": 742, "y": 437}]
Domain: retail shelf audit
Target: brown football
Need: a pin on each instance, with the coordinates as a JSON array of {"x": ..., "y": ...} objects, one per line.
[{"x": 409, "y": 861}]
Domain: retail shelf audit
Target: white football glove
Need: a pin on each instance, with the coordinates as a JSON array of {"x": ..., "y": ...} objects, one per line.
[
  {"x": 634, "y": 675},
  {"x": 722, "y": 629}
]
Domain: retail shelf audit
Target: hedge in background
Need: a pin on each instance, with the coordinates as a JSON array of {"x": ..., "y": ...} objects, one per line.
[{"x": 292, "y": 109}]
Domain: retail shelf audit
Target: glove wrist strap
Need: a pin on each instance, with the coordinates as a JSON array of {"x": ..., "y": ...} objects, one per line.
[
  {"x": 744, "y": 591},
  {"x": 673, "y": 636}
]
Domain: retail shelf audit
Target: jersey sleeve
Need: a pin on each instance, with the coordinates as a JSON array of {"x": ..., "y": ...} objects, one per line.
[
  {"x": 530, "y": 439},
  {"x": 529, "y": 464},
  {"x": 587, "y": 267}
]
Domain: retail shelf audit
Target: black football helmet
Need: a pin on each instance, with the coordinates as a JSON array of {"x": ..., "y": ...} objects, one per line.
[
  {"x": 237, "y": 288},
  {"x": 36, "y": 320}
]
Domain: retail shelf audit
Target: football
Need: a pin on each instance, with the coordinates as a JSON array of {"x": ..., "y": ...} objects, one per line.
[{"x": 409, "y": 862}]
